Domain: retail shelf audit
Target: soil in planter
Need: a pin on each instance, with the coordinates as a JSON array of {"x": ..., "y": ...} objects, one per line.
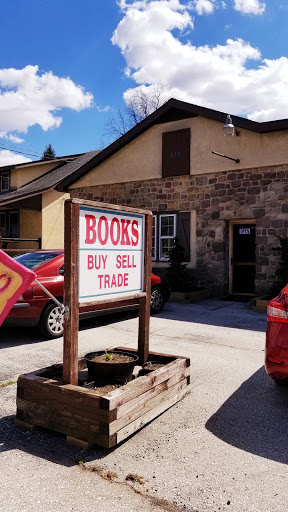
[
  {"x": 151, "y": 366},
  {"x": 116, "y": 358}
]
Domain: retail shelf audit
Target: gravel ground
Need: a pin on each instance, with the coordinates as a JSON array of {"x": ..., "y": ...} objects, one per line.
[{"x": 223, "y": 447}]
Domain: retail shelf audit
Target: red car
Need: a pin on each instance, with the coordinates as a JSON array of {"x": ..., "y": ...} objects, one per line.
[
  {"x": 35, "y": 307},
  {"x": 276, "y": 351}
]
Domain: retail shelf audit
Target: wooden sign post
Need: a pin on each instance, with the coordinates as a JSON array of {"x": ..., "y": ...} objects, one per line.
[{"x": 107, "y": 261}]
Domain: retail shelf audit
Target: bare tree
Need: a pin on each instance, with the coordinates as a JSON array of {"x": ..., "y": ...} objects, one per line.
[{"x": 139, "y": 106}]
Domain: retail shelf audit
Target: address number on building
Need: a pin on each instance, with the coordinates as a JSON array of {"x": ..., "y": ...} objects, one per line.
[{"x": 244, "y": 231}]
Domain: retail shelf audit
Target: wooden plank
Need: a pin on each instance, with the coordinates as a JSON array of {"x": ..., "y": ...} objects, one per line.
[
  {"x": 150, "y": 415},
  {"x": 127, "y": 407},
  {"x": 141, "y": 384},
  {"x": 83, "y": 408},
  {"x": 108, "y": 206},
  {"x": 144, "y": 407},
  {"x": 133, "y": 299},
  {"x": 25, "y": 426},
  {"x": 53, "y": 391},
  {"x": 71, "y": 257},
  {"x": 63, "y": 422},
  {"x": 157, "y": 355},
  {"x": 145, "y": 302}
]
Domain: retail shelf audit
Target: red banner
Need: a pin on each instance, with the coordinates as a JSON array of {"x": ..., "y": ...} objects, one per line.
[{"x": 14, "y": 279}]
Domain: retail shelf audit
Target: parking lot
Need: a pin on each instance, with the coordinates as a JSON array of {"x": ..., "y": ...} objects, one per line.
[{"x": 223, "y": 447}]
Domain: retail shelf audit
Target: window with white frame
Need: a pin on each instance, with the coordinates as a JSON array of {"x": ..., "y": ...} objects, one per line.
[
  {"x": 4, "y": 181},
  {"x": 167, "y": 233},
  {"x": 167, "y": 226},
  {"x": 154, "y": 238}
]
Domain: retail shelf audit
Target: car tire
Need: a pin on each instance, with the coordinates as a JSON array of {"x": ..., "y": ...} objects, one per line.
[
  {"x": 51, "y": 322},
  {"x": 157, "y": 300}
]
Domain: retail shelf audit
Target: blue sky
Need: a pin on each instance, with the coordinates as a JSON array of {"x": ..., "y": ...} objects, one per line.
[{"x": 66, "y": 67}]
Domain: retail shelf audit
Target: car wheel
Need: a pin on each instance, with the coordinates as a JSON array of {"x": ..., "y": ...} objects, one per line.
[
  {"x": 157, "y": 300},
  {"x": 51, "y": 322}
]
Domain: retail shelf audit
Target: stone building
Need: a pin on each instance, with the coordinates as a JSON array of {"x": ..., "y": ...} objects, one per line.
[{"x": 224, "y": 197}]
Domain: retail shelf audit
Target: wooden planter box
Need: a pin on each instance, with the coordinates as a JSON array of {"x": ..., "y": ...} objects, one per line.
[
  {"x": 260, "y": 304},
  {"x": 87, "y": 418}
]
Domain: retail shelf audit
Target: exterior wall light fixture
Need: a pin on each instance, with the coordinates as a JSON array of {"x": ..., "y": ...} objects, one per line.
[{"x": 228, "y": 128}]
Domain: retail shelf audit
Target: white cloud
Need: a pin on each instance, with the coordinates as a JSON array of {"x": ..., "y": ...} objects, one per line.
[
  {"x": 11, "y": 137},
  {"x": 250, "y": 6},
  {"x": 204, "y": 6},
  {"x": 103, "y": 109},
  {"x": 28, "y": 98},
  {"x": 9, "y": 158},
  {"x": 219, "y": 77}
]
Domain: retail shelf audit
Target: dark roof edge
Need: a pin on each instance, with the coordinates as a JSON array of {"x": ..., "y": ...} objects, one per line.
[
  {"x": 35, "y": 162},
  {"x": 24, "y": 196},
  {"x": 188, "y": 110}
]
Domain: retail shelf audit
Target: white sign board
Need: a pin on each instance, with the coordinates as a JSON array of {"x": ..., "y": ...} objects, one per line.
[
  {"x": 244, "y": 231},
  {"x": 111, "y": 254}
]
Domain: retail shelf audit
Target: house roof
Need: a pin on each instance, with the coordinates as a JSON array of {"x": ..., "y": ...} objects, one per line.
[
  {"x": 172, "y": 110},
  {"x": 66, "y": 173},
  {"x": 47, "y": 181},
  {"x": 44, "y": 161}
]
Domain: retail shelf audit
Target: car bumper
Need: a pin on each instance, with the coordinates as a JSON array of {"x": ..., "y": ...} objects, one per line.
[{"x": 276, "y": 350}]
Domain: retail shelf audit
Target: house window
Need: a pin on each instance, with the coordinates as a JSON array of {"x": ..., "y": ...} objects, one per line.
[
  {"x": 9, "y": 224},
  {"x": 176, "y": 153},
  {"x": 167, "y": 226},
  {"x": 154, "y": 238},
  {"x": 167, "y": 232},
  {"x": 4, "y": 181},
  {"x": 3, "y": 225}
]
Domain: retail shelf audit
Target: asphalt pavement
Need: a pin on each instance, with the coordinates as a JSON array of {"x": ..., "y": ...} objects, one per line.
[{"x": 223, "y": 447}]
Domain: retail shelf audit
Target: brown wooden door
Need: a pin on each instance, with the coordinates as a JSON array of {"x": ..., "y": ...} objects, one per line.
[{"x": 243, "y": 258}]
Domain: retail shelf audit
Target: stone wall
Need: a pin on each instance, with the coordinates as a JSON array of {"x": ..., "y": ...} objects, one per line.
[{"x": 256, "y": 194}]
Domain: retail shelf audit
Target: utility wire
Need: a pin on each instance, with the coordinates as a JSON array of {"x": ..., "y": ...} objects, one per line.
[{"x": 25, "y": 153}]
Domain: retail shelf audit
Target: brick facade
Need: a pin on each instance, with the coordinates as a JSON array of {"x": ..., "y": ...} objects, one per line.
[{"x": 259, "y": 194}]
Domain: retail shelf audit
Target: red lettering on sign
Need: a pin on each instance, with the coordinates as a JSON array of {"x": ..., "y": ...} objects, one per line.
[
  {"x": 115, "y": 222},
  {"x": 90, "y": 262},
  {"x": 118, "y": 261},
  {"x": 103, "y": 241},
  {"x": 116, "y": 280},
  {"x": 125, "y": 240},
  {"x": 134, "y": 229},
  {"x": 90, "y": 229}
]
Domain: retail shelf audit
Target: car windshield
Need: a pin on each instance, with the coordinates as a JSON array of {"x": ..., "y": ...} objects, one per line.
[{"x": 34, "y": 259}]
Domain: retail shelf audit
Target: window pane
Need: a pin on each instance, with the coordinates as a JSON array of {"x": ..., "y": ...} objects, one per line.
[
  {"x": 34, "y": 259},
  {"x": 13, "y": 224},
  {"x": 3, "y": 225},
  {"x": 4, "y": 182},
  {"x": 167, "y": 226},
  {"x": 166, "y": 246},
  {"x": 154, "y": 238}
]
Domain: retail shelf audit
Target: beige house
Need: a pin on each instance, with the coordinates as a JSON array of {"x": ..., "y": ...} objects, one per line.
[
  {"x": 31, "y": 209},
  {"x": 224, "y": 197}
]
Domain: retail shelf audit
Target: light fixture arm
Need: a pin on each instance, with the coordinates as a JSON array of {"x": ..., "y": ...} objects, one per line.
[{"x": 229, "y": 157}]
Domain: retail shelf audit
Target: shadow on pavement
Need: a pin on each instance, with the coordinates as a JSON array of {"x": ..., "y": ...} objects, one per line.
[
  {"x": 237, "y": 315},
  {"x": 16, "y": 336},
  {"x": 255, "y": 418},
  {"x": 44, "y": 443}
]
